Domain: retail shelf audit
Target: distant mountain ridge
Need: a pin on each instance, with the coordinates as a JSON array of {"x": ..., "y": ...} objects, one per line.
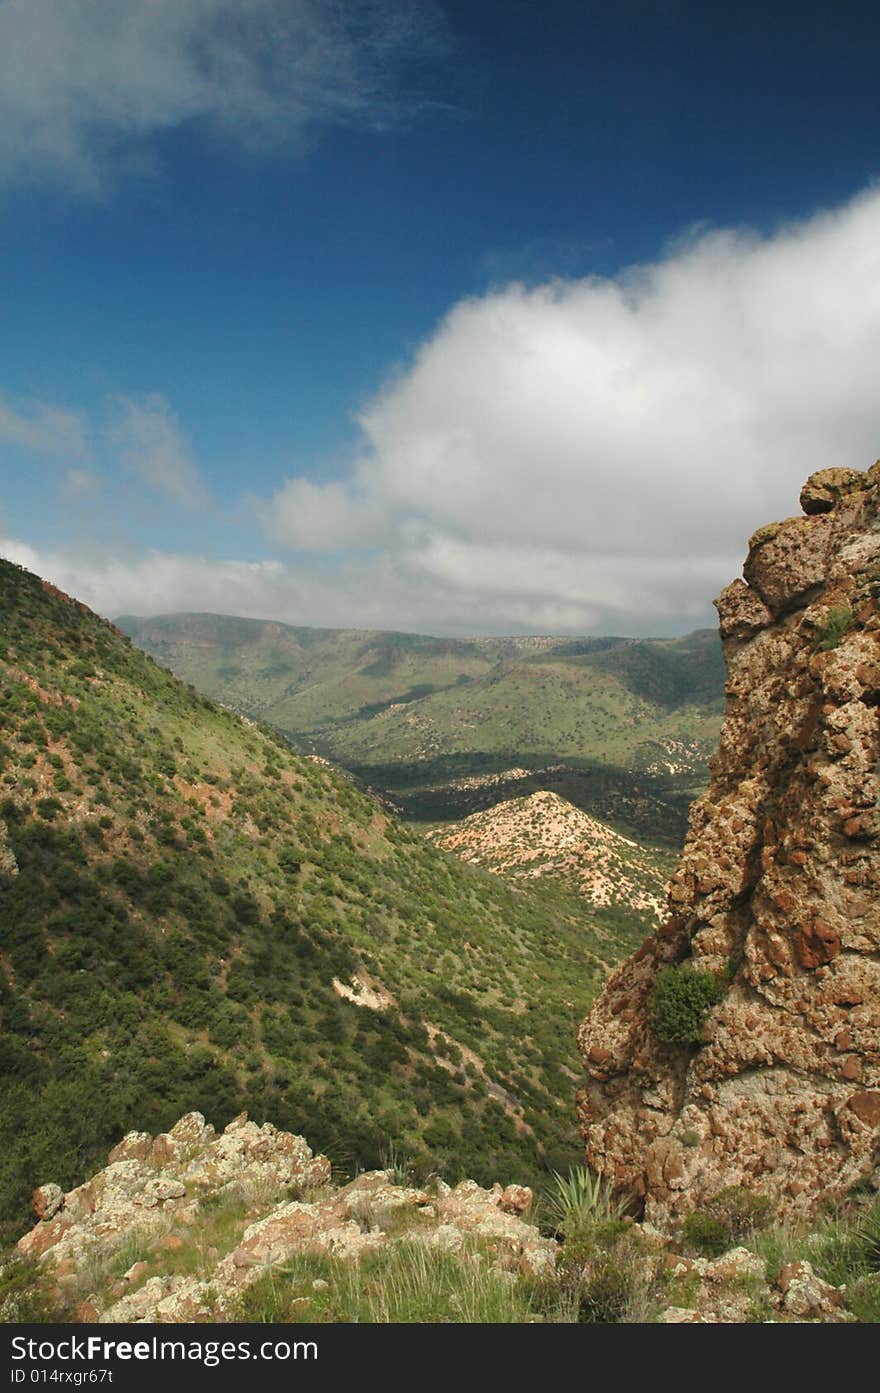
[{"x": 396, "y": 708}]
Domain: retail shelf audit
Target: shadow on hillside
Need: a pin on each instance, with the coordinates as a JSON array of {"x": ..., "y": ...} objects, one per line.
[{"x": 648, "y": 807}]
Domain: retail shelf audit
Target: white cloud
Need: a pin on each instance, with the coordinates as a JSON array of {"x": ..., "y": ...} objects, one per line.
[
  {"x": 607, "y": 446},
  {"x": 588, "y": 455},
  {"x": 378, "y": 592},
  {"x": 84, "y": 83},
  {"x": 43, "y": 429},
  {"x": 322, "y": 517},
  {"x": 146, "y": 436}
]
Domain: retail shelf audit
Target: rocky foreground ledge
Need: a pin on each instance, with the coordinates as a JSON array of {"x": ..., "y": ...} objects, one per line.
[
  {"x": 195, "y": 1226},
  {"x": 260, "y": 1194},
  {"x": 777, "y": 899}
]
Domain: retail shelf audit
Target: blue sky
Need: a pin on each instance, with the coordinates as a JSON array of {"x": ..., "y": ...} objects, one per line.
[{"x": 459, "y": 317}]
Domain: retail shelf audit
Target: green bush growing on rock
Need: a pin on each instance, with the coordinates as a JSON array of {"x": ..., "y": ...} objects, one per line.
[
  {"x": 680, "y": 998},
  {"x": 705, "y": 1233},
  {"x": 837, "y": 622},
  {"x": 730, "y": 1217}
]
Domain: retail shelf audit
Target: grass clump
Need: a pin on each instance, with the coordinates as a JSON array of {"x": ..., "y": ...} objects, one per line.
[
  {"x": 22, "y": 1299},
  {"x": 863, "y": 1299},
  {"x": 606, "y": 1275},
  {"x": 843, "y": 1248},
  {"x": 406, "y": 1283},
  {"x": 705, "y": 1233},
  {"x": 680, "y": 998}
]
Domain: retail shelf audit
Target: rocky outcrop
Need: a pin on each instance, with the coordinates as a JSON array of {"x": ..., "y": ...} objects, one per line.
[
  {"x": 149, "y": 1180},
  {"x": 776, "y": 895},
  {"x": 178, "y": 1227}
]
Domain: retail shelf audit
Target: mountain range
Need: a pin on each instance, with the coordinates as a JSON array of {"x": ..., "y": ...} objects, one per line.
[{"x": 620, "y": 727}]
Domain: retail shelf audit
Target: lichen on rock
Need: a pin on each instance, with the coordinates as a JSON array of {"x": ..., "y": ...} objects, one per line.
[{"x": 776, "y": 894}]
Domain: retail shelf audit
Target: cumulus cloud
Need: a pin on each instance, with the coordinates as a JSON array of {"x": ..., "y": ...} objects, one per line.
[
  {"x": 145, "y": 435},
  {"x": 322, "y": 517},
  {"x": 161, "y": 582},
  {"x": 85, "y": 83},
  {"x": 600, "y": 449},
  {"x": 43, "y": 429},
  {"x": 583, "y": 456}
]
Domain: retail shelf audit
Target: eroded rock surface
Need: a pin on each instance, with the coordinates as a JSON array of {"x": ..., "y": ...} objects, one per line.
[
  {"x": 177, "y": 1227},
  {"x": 776, "y": 894}
]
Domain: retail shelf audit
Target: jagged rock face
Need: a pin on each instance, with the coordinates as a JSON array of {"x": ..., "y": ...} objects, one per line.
[{"x": 777, "y": 894}]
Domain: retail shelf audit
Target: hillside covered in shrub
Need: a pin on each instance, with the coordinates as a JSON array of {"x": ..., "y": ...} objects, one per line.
[{"x": 193, "y": 916}]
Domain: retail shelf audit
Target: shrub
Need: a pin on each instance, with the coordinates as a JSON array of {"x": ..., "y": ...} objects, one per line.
[
  {"x": 605, "y": 1275},
  {"x": 606, "y": 1293},
  {"x": 837, "y": 622},
  {"x": 863, "y": 1299},
  {"x": 867, "y": 1232},
  {"x": 705, "y": 1233},
  {"x": 728, "y": 1217},
  {"x": 22, "y": 1299},
  {"x": 740, "y": 1211},
  {"x": 680, "y": 998}
]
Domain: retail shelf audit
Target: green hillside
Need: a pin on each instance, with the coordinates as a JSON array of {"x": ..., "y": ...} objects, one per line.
[
  {"x": 413, "y": 715},
  {"x": 194, "y": 916}
]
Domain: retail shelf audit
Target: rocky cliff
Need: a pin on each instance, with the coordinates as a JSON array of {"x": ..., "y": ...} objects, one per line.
[{"x": 776, "y": 896}]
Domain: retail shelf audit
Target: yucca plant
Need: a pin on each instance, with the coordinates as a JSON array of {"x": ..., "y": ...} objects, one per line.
[
  {"x": 868, "y": 1234},
  {"x": 398, "y": 1165},
  {"x": 579, "y": 1199}
]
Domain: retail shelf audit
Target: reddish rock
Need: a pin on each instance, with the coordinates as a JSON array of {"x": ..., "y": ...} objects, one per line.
[
  {"x": 256, "y": 1165},
  {"x": 816, "y": 943},
  {"x": 47, "y": 1200},
  {"x": 866, "y": 1107},
  {"x": 823, "y": 489},
  {"x": 516, "y": 1199},
  {"x": 764, "y": 900},
  {"x": 805, "y": 1294},
  {"x": 133, "y": 1147},
  {"x": 784, "y": 567},
  {"x": 45, "y": 1236},
  {"x": 868, "y": 676}
]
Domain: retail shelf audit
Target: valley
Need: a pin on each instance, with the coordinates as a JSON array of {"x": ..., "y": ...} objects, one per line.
[
  {"x": 195, "y": 916},
  {"x": 622, "y": 728}
]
